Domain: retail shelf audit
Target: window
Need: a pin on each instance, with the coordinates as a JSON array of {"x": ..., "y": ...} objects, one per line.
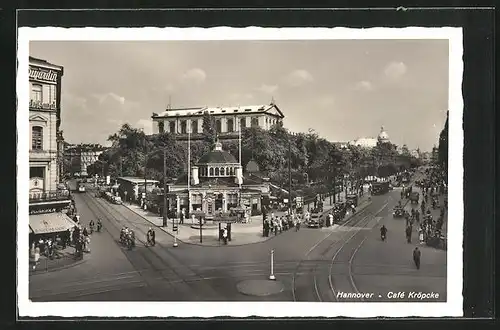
[
  {"x": 183, "y": 127},
  {"x": 161, "y": 127},
  {"x": 243, "y": 123},
  {"x": 216, "y": 171},
  {"x": 255, "y": 122},
  {"x": 172, "y": 127},
  {"x": 37, "y": 172},
  {"x": 218, "y": 126},
  {"x": 227, "y": 171},
  {"x": 194, "y": 126},
  {"x": 230, "y": 125},
  {"x": 36, "y": 93},
  {"x": 37, "y": 138},
  {"x": 222, "y": 171},
  {"x": 211, "y": 171}
]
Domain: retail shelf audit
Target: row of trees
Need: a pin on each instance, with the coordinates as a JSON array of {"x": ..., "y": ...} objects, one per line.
[
  {"x": 443, "y": 147},
  {"x": 310, "y": 154}
]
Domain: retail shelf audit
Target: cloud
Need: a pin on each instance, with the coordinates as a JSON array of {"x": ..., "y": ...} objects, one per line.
[
  {"x": 146, "y": 125},
  {"x": 299, "y": 77},
  {"x": 268, "y": 89},
  {"x": 245, "y": 97},
  {"x": 194, "y": 75},
  {"x": 363, "y": 85},
  {"x": 71, "y": 101},
  {"x": 109, "y": 96},
  {"x": 395, "y": 70}
]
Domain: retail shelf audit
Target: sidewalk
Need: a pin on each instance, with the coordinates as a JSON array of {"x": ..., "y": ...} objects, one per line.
[
  {"x": 63, "y": 258},
  {"x": 241, "y": 233}
]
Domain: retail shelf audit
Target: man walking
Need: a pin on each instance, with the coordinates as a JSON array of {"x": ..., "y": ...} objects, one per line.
[{"x": 416, "y": 257}]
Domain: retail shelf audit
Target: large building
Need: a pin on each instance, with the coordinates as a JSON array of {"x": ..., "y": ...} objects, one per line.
[
  {"x": 227, "y": 120},
  {"x": 367, "y": 142},
  {"x": 45, "y": 119},
  {"x": 217, "y": 183},
  {"x": 80, "y": 156}
]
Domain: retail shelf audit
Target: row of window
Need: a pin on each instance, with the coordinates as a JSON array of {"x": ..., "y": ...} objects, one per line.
[
  {"x": 217, "y": 171},
  {"x": 37, "y": 94},
  {"x": 218, "y": 125},
  {"x": 197, "y": 199}
]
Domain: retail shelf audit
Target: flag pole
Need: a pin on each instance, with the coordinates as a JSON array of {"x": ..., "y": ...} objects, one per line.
[
  {"x": 189, "y": 168},
  {"x": 239, "y": 146}
]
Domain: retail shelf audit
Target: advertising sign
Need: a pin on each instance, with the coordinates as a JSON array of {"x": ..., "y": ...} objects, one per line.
[{"x": 42, "y": 74}]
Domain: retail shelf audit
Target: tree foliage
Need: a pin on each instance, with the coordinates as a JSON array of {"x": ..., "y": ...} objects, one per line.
[
  {"x": 443, "y": 145},
  {"x": 311, "y": 157}
]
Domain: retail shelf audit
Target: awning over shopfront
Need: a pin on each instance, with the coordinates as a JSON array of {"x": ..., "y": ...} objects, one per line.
[{"x": 50, "y": 223}]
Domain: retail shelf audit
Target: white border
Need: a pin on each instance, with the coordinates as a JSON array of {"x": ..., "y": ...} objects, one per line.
[{"x": 453, "y": 306}]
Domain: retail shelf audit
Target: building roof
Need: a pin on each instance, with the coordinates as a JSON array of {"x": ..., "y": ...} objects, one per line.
[
  {"x": 137, "y": 179},
  {"x": 199, "y": 111},
  {"x": 217, "y": 156},
  {"x": 39, "y": 61}
]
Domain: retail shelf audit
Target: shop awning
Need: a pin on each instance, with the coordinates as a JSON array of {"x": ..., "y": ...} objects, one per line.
[{"x": 50, "y": 223}]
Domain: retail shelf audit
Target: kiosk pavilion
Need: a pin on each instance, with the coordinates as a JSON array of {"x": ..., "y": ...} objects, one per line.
[{"x": 217, "y": 184}]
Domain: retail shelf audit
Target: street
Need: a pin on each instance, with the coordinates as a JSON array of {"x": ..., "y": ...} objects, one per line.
[{"x": 328, "y": 264}]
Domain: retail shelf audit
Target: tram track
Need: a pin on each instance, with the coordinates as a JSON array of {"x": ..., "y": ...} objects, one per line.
[
  {"x": 312, "y": 269},
  {"x": 151, "y": 260}
]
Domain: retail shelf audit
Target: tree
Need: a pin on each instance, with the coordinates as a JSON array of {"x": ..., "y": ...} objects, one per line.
[
  {"x": 443, "y": 146},
  {"x": 208, "y": 126}
]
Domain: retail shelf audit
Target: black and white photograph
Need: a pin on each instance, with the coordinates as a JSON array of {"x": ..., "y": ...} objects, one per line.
[{"x": 239, "y": 172}]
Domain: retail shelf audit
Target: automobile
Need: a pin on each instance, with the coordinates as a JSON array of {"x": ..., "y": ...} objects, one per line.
[
  {"x": 81, "y": 188},
  {"x": 414, "y": 197},
  {"x": 398, "y": 212},
  {"x": 352, "y": 199},
  {"x": 315, "y": 220}
]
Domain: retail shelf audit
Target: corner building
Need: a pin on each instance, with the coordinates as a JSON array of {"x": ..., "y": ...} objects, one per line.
[{"x": 45, "y": 119}]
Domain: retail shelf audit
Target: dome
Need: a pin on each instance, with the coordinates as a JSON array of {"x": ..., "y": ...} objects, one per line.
[
  {"x": 383, "y": 136},
  {"x": 217, "y": 156}
]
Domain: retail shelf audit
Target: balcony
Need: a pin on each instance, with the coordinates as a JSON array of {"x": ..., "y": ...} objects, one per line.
[
  {"x": 49, "y": 197},
  {"x": 38, "y": 105}
]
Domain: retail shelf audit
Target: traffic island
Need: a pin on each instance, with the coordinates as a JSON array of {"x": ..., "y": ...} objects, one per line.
[{"x": 260, "y": 288}]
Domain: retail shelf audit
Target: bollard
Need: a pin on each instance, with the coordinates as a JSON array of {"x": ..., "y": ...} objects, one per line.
[
  {"x": 272, "y": 277},
  {"x": 175, "y": 241}
]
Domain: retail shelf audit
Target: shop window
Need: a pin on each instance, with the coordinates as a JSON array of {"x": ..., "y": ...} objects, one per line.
[
  {"x": 230, "y": 125},
  {"x": 37, "y": 138},
  {"x": 161, "y": 127}
]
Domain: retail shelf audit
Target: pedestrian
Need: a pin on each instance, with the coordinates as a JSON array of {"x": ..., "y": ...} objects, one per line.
[
  {"x": 421, "y": 235},
  {"x": 224, "y": 236},
  {"x": 408, "y": 233},
  {"x": 416, "y": 257},
  {"x": 182, "y": 217}
]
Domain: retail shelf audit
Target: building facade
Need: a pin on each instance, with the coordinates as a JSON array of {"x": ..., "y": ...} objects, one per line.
[
  {"x": 80, "y": 156},
  {"x": 369, "y": 143},
  {"x": 45, "y": 118},
  {"x": 216, "y": 184},
  {"x": 227, "y": 120}
]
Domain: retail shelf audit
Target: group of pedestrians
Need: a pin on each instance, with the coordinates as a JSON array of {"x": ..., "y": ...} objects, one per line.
[{"x": 277, "y": 224}]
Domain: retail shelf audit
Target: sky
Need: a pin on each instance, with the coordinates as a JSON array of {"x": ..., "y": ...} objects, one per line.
[{"x": 342, "y": 89}]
